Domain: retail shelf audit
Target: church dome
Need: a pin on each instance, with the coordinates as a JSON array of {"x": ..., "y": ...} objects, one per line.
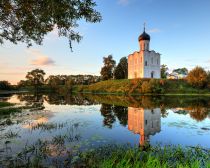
[{"x": 144, "y": 36}]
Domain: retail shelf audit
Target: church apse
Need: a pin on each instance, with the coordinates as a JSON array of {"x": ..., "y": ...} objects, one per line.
[{"x": 145, "y": 122}]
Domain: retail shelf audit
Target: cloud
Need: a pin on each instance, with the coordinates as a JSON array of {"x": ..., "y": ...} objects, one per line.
[
  {"x": 154, "y": 30},
  {"x": 43, "y": 61},
  {"x": 123, "y": 2}
]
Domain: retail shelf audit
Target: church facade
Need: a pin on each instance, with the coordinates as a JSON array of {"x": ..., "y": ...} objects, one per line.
[{"x": 144, "y": 63}]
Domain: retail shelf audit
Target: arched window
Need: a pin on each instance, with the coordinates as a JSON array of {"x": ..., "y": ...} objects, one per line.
[
  {"x": 152, "y": 74},
  {"x": 145, "y": 63},
  {"x": 157, "y": 61},
  {"x": 152, "y": 60}
]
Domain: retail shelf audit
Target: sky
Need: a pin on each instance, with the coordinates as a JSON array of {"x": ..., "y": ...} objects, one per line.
[{"x": 179, "y": 31}]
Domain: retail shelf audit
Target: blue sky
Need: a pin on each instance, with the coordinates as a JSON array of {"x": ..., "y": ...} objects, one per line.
[{"x": 179, "y": 30}]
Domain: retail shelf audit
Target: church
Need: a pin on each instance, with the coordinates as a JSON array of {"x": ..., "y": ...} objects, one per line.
[{"x": 144, "y": 63}]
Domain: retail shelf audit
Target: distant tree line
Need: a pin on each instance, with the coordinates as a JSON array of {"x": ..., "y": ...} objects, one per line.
[{"x": 36, "y": 79}]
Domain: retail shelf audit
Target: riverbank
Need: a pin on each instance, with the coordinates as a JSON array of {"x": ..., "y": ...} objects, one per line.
[{"x": 142, "y": 87}]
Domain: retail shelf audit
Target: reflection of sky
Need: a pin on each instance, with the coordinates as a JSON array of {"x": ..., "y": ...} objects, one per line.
[{"x": 182, "y": 129}]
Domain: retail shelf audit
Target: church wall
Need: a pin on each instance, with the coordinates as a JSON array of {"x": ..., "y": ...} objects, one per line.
[
  {"x": 135, "y": 65},
  {"x": 151, "y": 65}
]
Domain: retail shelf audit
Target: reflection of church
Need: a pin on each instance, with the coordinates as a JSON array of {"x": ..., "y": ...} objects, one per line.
[{"x": 145, "y": 122}]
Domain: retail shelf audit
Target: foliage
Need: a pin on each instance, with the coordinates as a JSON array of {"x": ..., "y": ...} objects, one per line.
[
  {"x": 181, "y": 71},
  {"x": 153, "y": 86},
  {"x": 108, "y": 69},
  {"x": 36, "y": 77},
  {"x": 5, "y": 85},
  {"x": 23, "y": 83},
  {"x": 208, "y": 79},
  {"x": 30, "y": 21},
  {"x": 163, "y": 71},
  {"x": 197, "y": 77},
  {"x": 121, "y": 70},
  {"x": 53, "y": 81}
]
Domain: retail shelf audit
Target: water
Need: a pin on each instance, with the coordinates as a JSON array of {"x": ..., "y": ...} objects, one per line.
[{"x": 82, "y": 122}]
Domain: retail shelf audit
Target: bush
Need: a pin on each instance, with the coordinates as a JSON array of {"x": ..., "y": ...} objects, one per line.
[
  {"x": 153, "y": 86},
  {"x": 145, "y": 87},
  {"x": 197, "y": 77}
]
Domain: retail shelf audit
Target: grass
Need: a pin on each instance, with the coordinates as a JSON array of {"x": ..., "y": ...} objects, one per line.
[
  {"x": 134, "y": 87},
  {"x": 153, "y": 157},
  {"x": 6, "y": 104},
  {"x": 111, "y": 156}
]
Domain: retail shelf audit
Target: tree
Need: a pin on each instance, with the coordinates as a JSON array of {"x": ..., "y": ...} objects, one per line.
[
  {"x": 29, "y": 21},
  {"x": 121, "y": 71},
  {"x": 36, "y": 77},
  {"x": 108, "y": 68},
  {"x": 5, "y": 85},
  {"x": 208, "y": 79},
  {"x": 181, "y": 71},
  {"x": 163, "y": 71},
  {"x": 197, "y": 77}
]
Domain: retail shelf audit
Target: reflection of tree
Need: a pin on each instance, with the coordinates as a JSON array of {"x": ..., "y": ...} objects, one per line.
[
  {"x": 122, "y": 114},
  {"x": 198, "y": 113},
  {"x": 164, "y": 112},
  {"x": 107, "y": 113},
  {"x": 68, "y": 100},
  {"x": 35, "y": 101}
]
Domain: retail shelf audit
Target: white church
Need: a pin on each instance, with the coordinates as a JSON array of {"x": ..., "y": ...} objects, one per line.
[{"x": 144, "y": 63}]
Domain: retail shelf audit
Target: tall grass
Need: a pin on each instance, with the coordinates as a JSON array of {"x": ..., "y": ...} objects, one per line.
[{"x": 153, "y": 157}]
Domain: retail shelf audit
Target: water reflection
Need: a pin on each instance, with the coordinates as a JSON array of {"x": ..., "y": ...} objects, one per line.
[
  {"x": 71, "y": 122},
  {"x": 145, "y": 122}
]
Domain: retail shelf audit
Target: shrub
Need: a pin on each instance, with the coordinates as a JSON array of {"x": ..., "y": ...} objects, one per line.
[
  {"x": 197, "y": 77},
  {"x": 145, "y": 87},
  {"x": 153, "y": 86}
]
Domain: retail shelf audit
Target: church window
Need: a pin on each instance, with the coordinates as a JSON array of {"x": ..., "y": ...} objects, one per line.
[
  {"x": 157, "y": 61},
  {"x": 152, "y": 74},
  {"x": 146, "y": 122},
  {"x": 145, "y": 63},
  {"x": 152, "y": 60}
]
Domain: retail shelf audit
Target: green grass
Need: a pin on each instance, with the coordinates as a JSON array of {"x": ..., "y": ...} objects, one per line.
[
  {"x": 134, "y": 87},
  {"x": 153, "y": 157},
  {"x": 6, "y": 104}
]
